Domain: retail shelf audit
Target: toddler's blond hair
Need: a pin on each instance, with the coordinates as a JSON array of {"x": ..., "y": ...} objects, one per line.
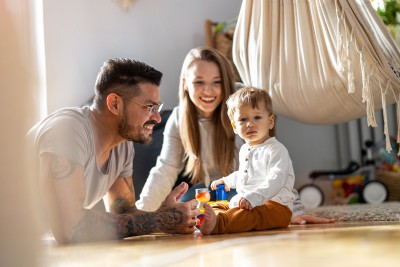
[{"x": 248, "y": 95}]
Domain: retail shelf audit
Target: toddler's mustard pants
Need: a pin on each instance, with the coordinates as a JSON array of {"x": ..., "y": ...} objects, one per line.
[{"x": 267, "y": 216}]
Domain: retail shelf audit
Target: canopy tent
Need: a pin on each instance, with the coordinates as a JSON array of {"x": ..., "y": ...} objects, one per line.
[{"x": 322, "y": 61}]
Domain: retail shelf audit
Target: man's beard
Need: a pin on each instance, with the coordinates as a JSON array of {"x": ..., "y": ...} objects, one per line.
[{"x": 132, "y": 133}]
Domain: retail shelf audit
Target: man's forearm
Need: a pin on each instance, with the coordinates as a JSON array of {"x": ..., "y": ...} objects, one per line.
[
  {"x": 96, "y": 226},
  {"x": 148, "y": 222},
  {"x": 123, "y": 206}
]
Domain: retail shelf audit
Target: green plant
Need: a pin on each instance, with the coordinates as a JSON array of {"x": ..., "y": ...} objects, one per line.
[{"x": 390, "y": 13}]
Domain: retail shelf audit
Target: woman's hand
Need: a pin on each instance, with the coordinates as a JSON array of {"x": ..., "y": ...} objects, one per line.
[{"x": 310, "y": 219}]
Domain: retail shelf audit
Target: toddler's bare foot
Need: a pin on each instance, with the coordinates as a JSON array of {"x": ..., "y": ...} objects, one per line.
[{"x": 210, "y": 219}]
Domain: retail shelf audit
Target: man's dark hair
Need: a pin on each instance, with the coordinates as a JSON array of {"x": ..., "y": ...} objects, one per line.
[{"x": 122, "y": 76}]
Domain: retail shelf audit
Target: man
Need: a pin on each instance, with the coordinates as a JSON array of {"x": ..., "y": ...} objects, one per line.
[{"x": 85, "y": 156}]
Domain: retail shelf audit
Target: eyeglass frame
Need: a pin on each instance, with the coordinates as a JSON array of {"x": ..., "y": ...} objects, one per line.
[{"x": 150, "y": 107}]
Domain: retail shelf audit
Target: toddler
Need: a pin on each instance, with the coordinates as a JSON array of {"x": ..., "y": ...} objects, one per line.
[{"x": 265, "y": 178}]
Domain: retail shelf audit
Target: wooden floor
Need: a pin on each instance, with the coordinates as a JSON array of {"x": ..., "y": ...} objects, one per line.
[{"x": 339, "y": 244}]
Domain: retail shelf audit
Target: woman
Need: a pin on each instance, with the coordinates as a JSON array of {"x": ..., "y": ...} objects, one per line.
[{"x": 199, "y": 141}]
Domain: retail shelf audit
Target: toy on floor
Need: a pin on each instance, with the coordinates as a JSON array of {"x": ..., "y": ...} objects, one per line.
[
  {"x": 386, "y": 161},
  {"x": 221, "y": 193},
  {"x": 352, "y": 185},
  {"x": 347, "y": 190},
  {"x": 203, "y": 196}
]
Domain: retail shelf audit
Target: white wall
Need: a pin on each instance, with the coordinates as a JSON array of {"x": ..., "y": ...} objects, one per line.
[
  {"x": 81, "y": 35},
  {"x": 311, "y": 147}
]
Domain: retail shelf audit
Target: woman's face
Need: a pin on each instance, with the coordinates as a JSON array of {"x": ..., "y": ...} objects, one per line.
[{"x": 203, "y": 83}]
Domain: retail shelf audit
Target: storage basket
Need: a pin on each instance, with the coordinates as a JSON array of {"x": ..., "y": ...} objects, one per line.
[{"x": 392, "y": 182}]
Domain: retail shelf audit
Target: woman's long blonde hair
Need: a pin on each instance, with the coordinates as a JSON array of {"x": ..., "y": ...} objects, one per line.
[{"x": 222, "y": 136}]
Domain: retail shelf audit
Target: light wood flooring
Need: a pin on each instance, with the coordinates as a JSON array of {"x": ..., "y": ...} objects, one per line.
[{"x": 339, "y": 244}]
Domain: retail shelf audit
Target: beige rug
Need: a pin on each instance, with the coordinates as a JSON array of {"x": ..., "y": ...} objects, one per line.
[{"x": 388, "y": 211}]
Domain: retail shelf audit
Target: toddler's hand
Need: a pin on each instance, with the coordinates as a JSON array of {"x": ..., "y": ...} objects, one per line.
[
  {"x": 245, "y": 204},
  {"x": 215, "y": 183},
  {"x": 227, "y": 188}
]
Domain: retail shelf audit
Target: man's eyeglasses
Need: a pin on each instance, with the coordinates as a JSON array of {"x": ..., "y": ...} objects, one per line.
[{"x": 151, "y": 108}]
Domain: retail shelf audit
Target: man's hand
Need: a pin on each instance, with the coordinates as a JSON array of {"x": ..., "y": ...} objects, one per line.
[
  {"x": 305, "y": 219},
  {"x": 184, "y": 212}
]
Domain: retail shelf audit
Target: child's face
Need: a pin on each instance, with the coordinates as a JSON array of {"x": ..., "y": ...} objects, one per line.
[
  {"x": 253, "y": 124},
  {"x": 203, "y": 83}
]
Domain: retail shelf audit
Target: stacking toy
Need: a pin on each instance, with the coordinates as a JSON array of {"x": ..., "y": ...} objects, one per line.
[{"x": 202, "y": 196}]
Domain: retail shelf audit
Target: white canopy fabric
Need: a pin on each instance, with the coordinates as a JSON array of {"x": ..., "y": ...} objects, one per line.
[{"x": 322, "y": 61}]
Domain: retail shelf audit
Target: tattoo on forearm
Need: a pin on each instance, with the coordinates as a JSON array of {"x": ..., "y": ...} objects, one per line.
[
  {"x": 139, "y": 224},
  {"x": 96, "y": 226},
  {"x": 61, "y": 167},
  {"x": 122, "y": 206}
]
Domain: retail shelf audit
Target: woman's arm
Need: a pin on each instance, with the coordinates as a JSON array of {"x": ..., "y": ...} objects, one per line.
[{"x": 169, "y": 164}]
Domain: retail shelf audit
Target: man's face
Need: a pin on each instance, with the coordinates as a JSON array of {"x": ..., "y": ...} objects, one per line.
[{"x": 137, "y": 121}]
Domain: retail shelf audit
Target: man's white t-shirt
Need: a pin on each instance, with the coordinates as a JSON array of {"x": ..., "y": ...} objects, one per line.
[{"x": 68, "y": 133}]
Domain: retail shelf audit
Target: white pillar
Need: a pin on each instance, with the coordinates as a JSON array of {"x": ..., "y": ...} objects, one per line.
[{"x": 21, "y": 84}]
